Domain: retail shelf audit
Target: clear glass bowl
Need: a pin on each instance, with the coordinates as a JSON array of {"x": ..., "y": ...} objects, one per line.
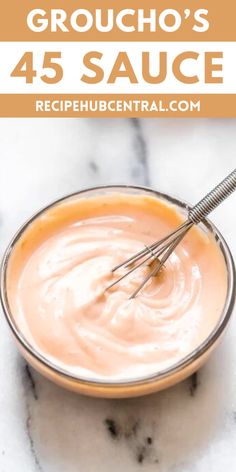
[{"x": 145, "y": 384}]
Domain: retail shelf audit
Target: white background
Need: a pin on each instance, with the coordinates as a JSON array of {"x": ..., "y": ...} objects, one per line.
[{"x": 72, "y": 60}]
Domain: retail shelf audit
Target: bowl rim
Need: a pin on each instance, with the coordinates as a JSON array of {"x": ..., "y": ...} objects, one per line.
[{"x": 144, "y": 379}]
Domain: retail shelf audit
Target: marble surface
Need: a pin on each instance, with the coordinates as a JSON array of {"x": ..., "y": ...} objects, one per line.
[{"x": 190, "y": 427}]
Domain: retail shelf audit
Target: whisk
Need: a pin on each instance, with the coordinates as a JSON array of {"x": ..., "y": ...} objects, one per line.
[{"x": 157, "y": 253}]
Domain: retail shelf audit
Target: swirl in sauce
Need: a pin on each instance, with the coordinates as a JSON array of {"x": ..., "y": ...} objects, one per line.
[{"x": 62, "y": 264}]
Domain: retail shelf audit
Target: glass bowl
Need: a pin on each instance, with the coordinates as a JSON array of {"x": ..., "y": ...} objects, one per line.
[{"x": 145, "y": 384}]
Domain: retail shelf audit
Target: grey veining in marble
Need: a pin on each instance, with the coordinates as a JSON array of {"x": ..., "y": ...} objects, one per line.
[{"x": 188, "y": 428}]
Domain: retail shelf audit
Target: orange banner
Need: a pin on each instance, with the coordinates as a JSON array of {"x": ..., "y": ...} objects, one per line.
[
  {"x": 221, "y": 18},
  {"x": 31, "y": 105}
]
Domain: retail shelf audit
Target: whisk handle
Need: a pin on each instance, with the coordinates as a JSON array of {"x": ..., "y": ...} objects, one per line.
[{"x": 213, "y": 198}]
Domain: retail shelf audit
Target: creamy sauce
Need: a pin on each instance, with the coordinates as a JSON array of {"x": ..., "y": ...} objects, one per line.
[{"x": 61, "y": 266}]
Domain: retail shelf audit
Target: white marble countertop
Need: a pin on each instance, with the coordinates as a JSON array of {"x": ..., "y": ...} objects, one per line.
[{"x": 190, "y": 427}]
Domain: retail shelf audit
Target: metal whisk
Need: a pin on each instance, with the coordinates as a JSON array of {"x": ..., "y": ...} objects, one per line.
[{"x": 158, "y": 253}]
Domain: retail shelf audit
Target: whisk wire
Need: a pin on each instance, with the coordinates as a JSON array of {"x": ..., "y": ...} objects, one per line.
[
  {"x": 167, "y": 252},
  {"x": 166, "y": 245},
  {"x": 152, "y": 255},
  {"x": 153, "y": 246}
]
